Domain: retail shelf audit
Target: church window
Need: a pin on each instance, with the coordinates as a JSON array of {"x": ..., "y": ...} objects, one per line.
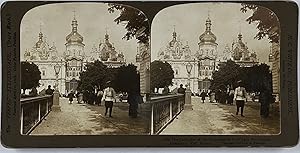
[
  {"x": 67, "y": 74},
  {"x": 206, "y": 73},
  {"x": 176, "y": 71},
  {"x": 177, "y": 50},
  {"x": 43, "y": 72},
  {"x": 73, "y": 74}
]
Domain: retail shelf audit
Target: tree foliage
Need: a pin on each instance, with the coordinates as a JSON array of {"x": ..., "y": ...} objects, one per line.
[
  {"x": 127, "y": 79},
  {"x": 134, "y": 20},
  {"x": 124, "y": 78},
  {"x": 257, "y": 78},
  {"x": 96, "y": 74},
  {"x": 30, "y": 75},
  {"x": 228, "y": 74},
  {"x": 266, "y": 22},
  {"x": 161, "y": 74}
]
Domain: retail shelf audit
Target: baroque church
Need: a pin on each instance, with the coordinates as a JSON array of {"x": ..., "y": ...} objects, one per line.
[
  {"x": 205, "y": 59},
  {"x": 73, "y": 60}
]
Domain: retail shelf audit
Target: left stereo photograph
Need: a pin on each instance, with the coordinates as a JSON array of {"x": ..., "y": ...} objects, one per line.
[{"x": 84, "y": 70}]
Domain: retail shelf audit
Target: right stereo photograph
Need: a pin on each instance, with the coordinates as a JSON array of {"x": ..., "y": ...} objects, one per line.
[{"x": 215, "y": 70}]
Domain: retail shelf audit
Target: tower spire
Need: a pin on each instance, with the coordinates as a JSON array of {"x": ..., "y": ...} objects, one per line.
[
  {"x": 174, "y": 33},
  {"x": 40, "y": 34},
  {"x": 208, "y": 13},
  {"x": 74, "y": 23},
  {"x": 74, "y": 14},
  {"x": 106, "y": 36},
  {"x": 208, "y": 21}
]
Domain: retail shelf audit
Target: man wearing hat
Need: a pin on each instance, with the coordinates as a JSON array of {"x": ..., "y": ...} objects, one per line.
[
  {"x": 109, "y": 96},
  {"x": 240, "y": 98}
]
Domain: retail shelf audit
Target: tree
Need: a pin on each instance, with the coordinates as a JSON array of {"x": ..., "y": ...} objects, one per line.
[
  {"x": 257, "y": 78},
  {"x": 266, "y": 21},
  {"x": 127, "y": 79},
  {"x": 135, "y": 21},
  {"x": 30, "y": 76},
  {"x": 228, "y": 74},
  {"x": 161, "y": 74},
  {"x": 96, "y": 74}
]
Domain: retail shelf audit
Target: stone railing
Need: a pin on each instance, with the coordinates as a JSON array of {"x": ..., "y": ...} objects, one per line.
[
  {"x": 163, "y": 110},
  {"x": 33, "y": 111}
]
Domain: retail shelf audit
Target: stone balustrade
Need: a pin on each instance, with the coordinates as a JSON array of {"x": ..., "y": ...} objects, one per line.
[
  {"x": 33, "y": 111},
  {"x": 163, "y": 110}
]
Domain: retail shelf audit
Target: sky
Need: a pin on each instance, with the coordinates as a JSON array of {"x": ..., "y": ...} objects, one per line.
[
  {"x": 93, "y": 19},
  {"x": 189, "y": 20}
]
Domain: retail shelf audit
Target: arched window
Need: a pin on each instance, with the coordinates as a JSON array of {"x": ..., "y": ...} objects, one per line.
[{"x": 177, "y": 50}]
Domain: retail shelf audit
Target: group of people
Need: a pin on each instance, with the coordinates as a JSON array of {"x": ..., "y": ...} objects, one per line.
[
  {"x": 237, "y": 95},
  {"x": 108, "y": 96}
]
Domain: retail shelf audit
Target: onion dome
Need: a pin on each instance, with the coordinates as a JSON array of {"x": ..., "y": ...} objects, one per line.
[
  {"x": 208, "y": 36},
  {"x": 40, "y": 41},
  {"x": 240, "y": 42},
  {"x": 74, "y": 36}
]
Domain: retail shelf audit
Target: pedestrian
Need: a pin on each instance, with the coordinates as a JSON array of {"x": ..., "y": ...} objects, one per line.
[
  {"x": 265, "y": 98},
  {"x": 33, "y": 92},
  {"x": 71, "y": 96},
  {"x": 181, "y": 90},
  {"x": 109, "y": 96},
  {"x": 211, "y": 96},
  {"x": 217, "y": 96},
  {"x": 85, "y": 96},
  {"x": 49, "y": 91},
  {"x": 165, "y": 90},
  {"x": 79, "y": 97},
  {"x": 203, "y": 95},
  {"x": 230, "y": 97},
  {"x": 99, "y": 97},
  {"x": 240, "y": 98},
  {"x": 134, "y": 99},
  {"x": 223, "y": 97}
]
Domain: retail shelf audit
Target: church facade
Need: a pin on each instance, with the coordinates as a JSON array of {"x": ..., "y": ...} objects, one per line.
[
  {"x": 205, "y": 60},
  {"x": 73, "y": 60},
  {"x": 178, "y": 55}
]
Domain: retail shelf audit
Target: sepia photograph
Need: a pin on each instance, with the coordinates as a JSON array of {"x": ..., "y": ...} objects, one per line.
[
  {"x": 215, "y": 70},
  {"x": 84, "y": 70}
]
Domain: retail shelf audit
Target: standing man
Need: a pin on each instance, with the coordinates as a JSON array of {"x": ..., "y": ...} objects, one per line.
[
  {"x": 109, "y": 96},
  {"x": 203, "y": 95},
  {"x": 49, "y": 91},
  {"x": 240, "y": 98},
  {"x": 181, "y": 90},
  {"x": 71, "y": 96}
]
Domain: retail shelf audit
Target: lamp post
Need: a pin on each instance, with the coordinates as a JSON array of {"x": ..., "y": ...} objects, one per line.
[
  {"x": 188, "y": 94},
  {"x": 56, "y": 106}
]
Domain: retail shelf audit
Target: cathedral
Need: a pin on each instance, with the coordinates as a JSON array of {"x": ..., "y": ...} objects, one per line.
[
  {"x": 73, "y": 60},
  {"x": 205, "y": 59}
]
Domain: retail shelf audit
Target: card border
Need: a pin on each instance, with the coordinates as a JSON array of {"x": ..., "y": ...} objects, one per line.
[{"x": 287, "y": 12}]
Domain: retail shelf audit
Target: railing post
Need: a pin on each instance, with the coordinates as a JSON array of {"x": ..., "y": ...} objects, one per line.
[
  {"x": 170, "y": 110},
  {"x": 21, "y": 119},
  {"x": 47, "y": 106},
  {"x": 152, "y": 120},
  {"x": 188, "y": 100},
  {"x": 179, "y": 105},
  {"x": 39, "y": 117}
]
